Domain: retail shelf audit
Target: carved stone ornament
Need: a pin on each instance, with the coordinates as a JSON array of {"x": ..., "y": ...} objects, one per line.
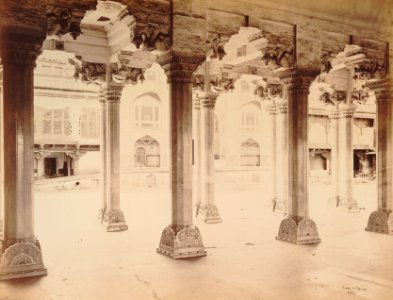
[
  {"x": 380, "y": 221},
  {"x": 22, "y": 259},
  {"x": 217, "y": 48},
  {"x": 326, "y": 62},
  {"x": 209, "y": 212},
  {"x": 333, "y": 97},
  {"x": 111, "y": 92},
  {"x": 126, "y": 74},
  {"x": 182, "y": 244},
  {"x": 179, "y": 67},
  {"x": 369, "y": 69},
  {"x": 304, "y": 232},
  {"x": 383, "y": 89},
  {"x": 114, "y": 220},
  {"x": 89, "y": 72},
  {"x": 61, "y": 21},
  {"x": 278, "y": 56},
  {"x": 151, "y": 37},
  {"x": 298, "y": 78}
]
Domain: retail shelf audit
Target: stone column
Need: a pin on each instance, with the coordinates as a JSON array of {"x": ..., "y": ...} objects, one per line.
[
  {"x": 21, "y": 252},
  {"x": 282, "y": 155},
  {"x": 381, "y": 220},
  {"x": 272, "y": 110},
  {"x": 298, "y": 228},
  {"x": 1, "y": 159},
  {"x": 113, "y": 217},
  {"x": 334, "y": 117},
  {"x": 40, "y": 156},
  {"x": 196, "y": 129},
  {"x": 345, "y": 158},
  {"x": 181, "y": 239},
  {"x": 103, "y": 153},
  {"x": 208, "y": 209}
]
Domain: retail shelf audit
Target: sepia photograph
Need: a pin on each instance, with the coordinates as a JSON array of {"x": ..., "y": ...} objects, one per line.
[{"x": 196, "y": 149}]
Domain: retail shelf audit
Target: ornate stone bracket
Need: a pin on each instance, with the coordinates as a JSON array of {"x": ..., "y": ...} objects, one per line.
[
  {"x": 151, "y": 37},
  {"x": 61, "y": 21},
  {"x": 126, "y": 74},
  {"x": 217, "y": 47},
  {"x": 89, "y": 72},
  {"x": 185, "y": 243},
  {"x": 276, "y": 56},
  {"x": 303, "y": 232}
]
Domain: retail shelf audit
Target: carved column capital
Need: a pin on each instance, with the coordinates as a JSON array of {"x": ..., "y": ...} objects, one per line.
[
  {"x": 347, "y": 111},
  {"x": 209, "y": 100},
  {"x": 20, "y": 52},
  {"x": 111, "y": 93},
  {"x": 271, "y": 108},
  {"x": 383, "y": 89},
  {"x": 179, "y": 67},
  {"x": 298, "y": 78}
]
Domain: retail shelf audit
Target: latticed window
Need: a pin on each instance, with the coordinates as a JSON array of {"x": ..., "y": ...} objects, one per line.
[
  {"x": 146, "y": 111},
  {"x": 250, "y": 117},
  {"x": 57, "y": 122},
  {"x": 89, "y": 123}
]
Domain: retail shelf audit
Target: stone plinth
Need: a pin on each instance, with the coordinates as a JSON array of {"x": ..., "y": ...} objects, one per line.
[
  {"x": 302, "y": 232},
  {"x": 185, "y": 243}
]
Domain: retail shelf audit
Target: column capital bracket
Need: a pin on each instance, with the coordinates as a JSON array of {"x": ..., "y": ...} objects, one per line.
[
  {"x": 298, "y": 77},
  {"x": 111, "y": 92},
  {"x": 383, "y": 89},
  {"x": 180, "y": 66},
  {"x": 208, "y": 100}
]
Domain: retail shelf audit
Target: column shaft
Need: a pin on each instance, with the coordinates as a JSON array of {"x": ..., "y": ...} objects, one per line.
[
  {"x": 197, "y": 151},
  {"x": 381, "y": 220},
  {"x": 345, "y": 147},
  {"x": 282, "y": 155},
  {"x": 208, "y": 209},
  {"x": 335, "y": 161},
  {"x": 298, "y": 227},
  {"x": 113, "y": 217},
  {"x": 272, "y": 110},
  {"x": 21, "y": 253}
]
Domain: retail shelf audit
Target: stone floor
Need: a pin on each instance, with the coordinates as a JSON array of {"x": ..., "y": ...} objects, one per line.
[{"x": 244, "y": 260}]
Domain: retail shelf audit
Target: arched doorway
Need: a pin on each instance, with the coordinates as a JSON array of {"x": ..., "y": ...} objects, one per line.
[
  {"x": 147, "y": 152},
  {"x": 249, "y": 153}
]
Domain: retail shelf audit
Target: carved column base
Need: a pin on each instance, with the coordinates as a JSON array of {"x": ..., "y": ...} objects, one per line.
[
  {"x": 20, "y": 260},
  {"x": 113, "y": 220},
  {"x": 301, "y": 233},
  {"x": 185, "y": 243},
  {"x": 210, "y": 213},
  {"x": 380, "y": 221},
  {"x": 348, "y": 205},
  {"x": 279, "y": 206}
]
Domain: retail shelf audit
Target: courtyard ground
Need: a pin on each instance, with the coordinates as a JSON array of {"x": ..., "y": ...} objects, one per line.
[{"x": 244, "y": 260}]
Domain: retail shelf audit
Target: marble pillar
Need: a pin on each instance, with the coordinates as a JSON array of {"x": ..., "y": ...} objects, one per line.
[
  {"x": 271, "y": 108},
  {"x": 181, "y": 239},
  {"x": 112, "y": 216},
  {"x": 21, "y": 252},
  {"x": 196, "y": 129},
  {"x": 381, "y": 220},
  {"x": 208, "y": 209},
  {"x": 1, "y": 159},
  {"x": 297, "y": 227},
  {"x": 334, "y": 117},
  {"x": 282, "y": 155},
  {"x": 345, "y": 158}
]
